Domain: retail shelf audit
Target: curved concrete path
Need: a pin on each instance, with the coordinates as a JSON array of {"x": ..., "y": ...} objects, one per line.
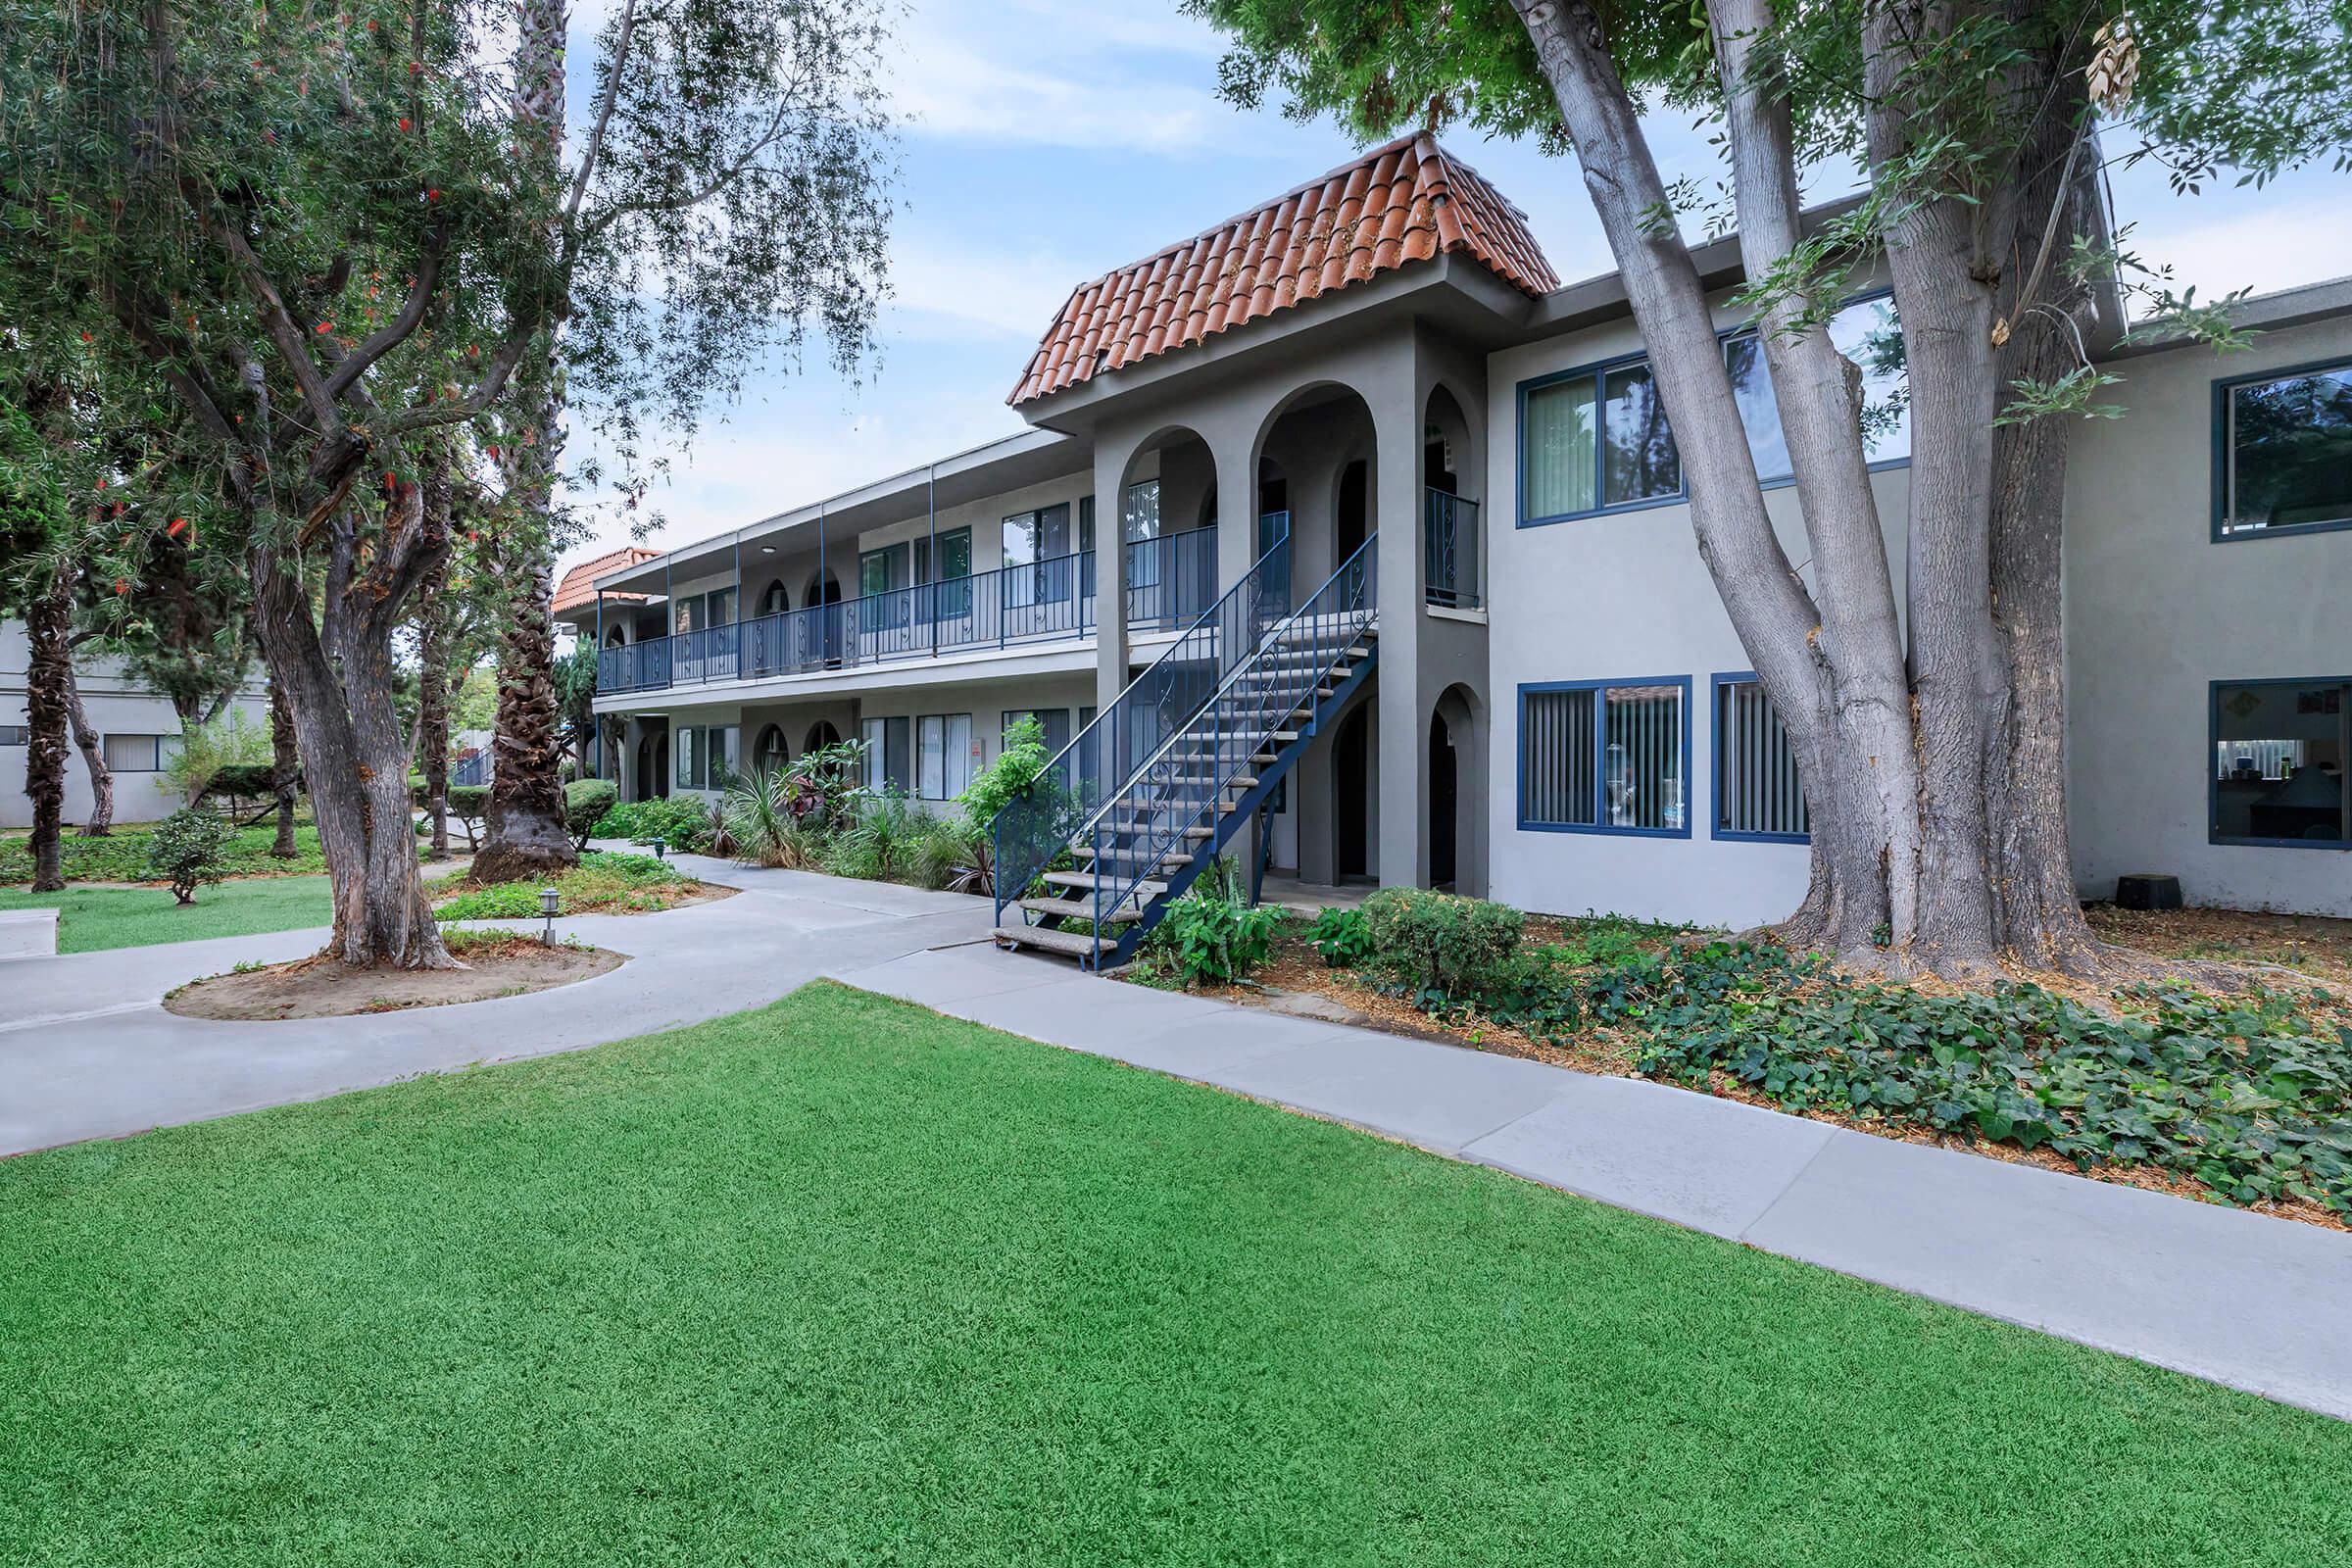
[
  {"x": 86, "y": 1050},
  {"x": 2258, "y": 1304}
]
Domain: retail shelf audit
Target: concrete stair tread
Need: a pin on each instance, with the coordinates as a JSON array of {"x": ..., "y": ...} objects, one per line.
[{"x": 1070, "y": 943}]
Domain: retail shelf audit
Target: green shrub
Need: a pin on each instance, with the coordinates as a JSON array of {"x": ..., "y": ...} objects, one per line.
[
  {"x": 187, "y": 849},
  {"x": 585, "y": 803},
  {"x": 122, "y": 855},
  {"x": 2250, "y": 1095},
  {"x": 682, "y": 823},
  {"x": 244, "y": 782},
  {"x": 1211, "y": 936},
  {"x": 1021, "y": 759},
  {"x": 601, "y": 881},
  {"x": 1436, "y": 945},
  {"x": 1344, "y": 937}
]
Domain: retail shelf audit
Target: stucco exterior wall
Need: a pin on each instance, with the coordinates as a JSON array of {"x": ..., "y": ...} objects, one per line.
[
  {"x": 1624, "y": 597},
  {"x": 115, "y": 705},
  {"x": 2157, "y": 611}
]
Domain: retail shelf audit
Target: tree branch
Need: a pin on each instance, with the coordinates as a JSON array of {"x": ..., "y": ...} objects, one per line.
[
  {"x": 384, "y": 339},
  {"x": 604, "y": 113}
]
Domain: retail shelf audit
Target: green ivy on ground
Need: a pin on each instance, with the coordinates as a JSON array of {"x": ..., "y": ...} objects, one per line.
[{"x": 2250, "y": 1095}]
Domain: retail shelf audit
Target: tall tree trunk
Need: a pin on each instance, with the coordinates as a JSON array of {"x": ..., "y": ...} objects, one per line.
[
  {"x": 48, "y": 676},
  {"x": 355, "y": 752},
  {"x": 285, "y": 771},
  {"x": 432, "y": 678},
  {"x": 101, "y": 821},
  {"x": 2038, "y": 909},
  {"x": 526, "y": 833}
]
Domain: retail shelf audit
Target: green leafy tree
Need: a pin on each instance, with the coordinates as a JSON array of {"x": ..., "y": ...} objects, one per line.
[
  {"x": 1929, "y": 735},
  {"x": 730, "y": 196},
  {"x": 189, "y": 848}
]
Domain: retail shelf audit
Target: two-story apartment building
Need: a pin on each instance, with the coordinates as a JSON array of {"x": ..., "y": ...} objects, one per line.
[
  {"x": 138, "y": 735},
  {"x": 1540, "y": 699}
]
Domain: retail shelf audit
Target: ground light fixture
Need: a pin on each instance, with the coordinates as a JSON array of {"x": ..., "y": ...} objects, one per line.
[
  {"x": 658, "y": 846},
  {"x": 548, "y": 898}
]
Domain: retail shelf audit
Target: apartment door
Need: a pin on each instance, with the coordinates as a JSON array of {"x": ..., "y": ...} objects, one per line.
[
  {"x": 1443, "y": 785},
  {"x": 1351, "y": 779}
]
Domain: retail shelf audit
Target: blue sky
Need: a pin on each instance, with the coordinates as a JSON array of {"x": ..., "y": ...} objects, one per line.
[{"x": 1050, "y": 141}]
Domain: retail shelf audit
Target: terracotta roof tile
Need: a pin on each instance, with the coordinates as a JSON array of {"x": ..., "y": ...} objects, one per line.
[
  {"x": 578, "y": 586},
  {"x": 1407, "y": 202}
]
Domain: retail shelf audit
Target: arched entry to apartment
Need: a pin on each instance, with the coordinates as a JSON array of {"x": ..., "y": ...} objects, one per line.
[
  {"x": 1314, "y": 464},
  {"x": 1457, "y": 790},
  {"x": 821, "y": 734},
  {"x": 771, "y": 753},
  {"x": 1351, "y": 786},
  {"x": 824, "y": 590},
  {"x": 617, "y": 637},
  {"x": 775, "y": 599},
  {"x": 653, "y": 762},
  {"x": 1453, "y": 544}
]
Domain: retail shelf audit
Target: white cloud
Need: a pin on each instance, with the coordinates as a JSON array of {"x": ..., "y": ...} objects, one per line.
[{"x": 1005, "y": 295}]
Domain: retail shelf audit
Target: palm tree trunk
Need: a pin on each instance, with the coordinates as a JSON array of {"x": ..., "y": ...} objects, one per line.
[{"x": 48, "y": 675}]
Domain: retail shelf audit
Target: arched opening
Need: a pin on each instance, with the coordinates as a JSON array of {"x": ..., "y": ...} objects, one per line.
[
  {"x": 1167, "y": 521},
  {"x": 827, "y": 639},
  {"x": 1305, "y": 451},
  {"x": 775, "y": 599},
  {"x": 771, "y": 753},
  {"x": 1444, "y": 796},
  {"x": 1452, "y": 540},
  {"x": 821, "y": 734},
  {"x": 1457, "y": 792},
  {"x": 617, "y": 637},
  {"x": 1352, "y": 795}
]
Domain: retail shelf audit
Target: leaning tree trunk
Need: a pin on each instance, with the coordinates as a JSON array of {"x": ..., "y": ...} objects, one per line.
[
  {"x": 1833, "y": 670},
  {"x": 354, "y": 750},
  {"x": 101, "y": 821},
  {"x": 285, "y": 771},
  {"x": 526, "y": 831},
  {"x": 48, "y": 676}
]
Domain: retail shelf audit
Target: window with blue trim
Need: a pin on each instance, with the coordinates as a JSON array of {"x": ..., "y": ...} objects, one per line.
[
  {"x": 2285, "y": 452},
  {"x": 2278, "y": 763},
  {"x": 1758, "y": 792},
  {"x": 1595, "y": 439},
  {"x": 1606, "y": 756}
]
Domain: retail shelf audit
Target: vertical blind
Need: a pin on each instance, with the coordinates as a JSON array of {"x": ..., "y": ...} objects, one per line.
[
  {"x": 1756, "y": 786},
  {"x": 1556, "y": 759},
  {"x": 1607, "y": 756}
]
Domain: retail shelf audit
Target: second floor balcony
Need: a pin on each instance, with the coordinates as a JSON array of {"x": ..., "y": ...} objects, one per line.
[{"x": 1171, "y": 582}]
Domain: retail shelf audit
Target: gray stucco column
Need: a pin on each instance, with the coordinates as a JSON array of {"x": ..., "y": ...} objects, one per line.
[
  {"x": 1111, "y": 458},
  {"x": 1400, "y": 856},
  {"x": 1231, "y": 446}
]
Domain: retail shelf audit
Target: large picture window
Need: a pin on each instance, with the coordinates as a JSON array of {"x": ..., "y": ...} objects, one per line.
[
  {"x": 1606, "y": 756},
  {"x": 2278, "y": 764},
  {"x": 1758, "y": 792},
  {"x": 942, "y": 756},
  {"x": 1595, "y": 439},
  {"x": 2284, "y": 453},
  {"x": 707, "y": 756},
  {"x": 138, "y": 753},
  {"x": 889, "y": 763}
]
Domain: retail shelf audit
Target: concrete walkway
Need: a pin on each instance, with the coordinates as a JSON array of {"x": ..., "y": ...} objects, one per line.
[
  {"x": 2262, "y": 1305},
  {"x": 2258, "y": 1304},
  {"x": 86, "y": 1050}
]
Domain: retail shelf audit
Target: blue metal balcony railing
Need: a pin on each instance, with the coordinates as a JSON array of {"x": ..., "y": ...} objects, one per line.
[
  {"x": 1449, "y": 551},
  {"x": 1171, "y": 581}
]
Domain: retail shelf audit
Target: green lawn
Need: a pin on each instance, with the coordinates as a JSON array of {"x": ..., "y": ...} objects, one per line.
[
  {"x": 94, "y": 918},
  {"x": 122, "y": 855},
  {"x": 843, "y": 1282}
]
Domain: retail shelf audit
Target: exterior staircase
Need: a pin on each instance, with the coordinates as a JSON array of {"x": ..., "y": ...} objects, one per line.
[{"x": 1087, "y": 870}]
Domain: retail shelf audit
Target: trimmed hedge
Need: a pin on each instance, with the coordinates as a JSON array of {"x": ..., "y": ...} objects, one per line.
[{"x": 585, "y": 803}]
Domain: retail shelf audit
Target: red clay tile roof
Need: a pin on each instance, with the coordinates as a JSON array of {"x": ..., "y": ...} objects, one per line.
[
  {"x": 578, "y": 586},
  {"x": 1408, "y": 201}
]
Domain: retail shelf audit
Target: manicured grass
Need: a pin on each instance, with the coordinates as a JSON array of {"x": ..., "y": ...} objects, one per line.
[
  {"x": 95, "y": 918},
  {"x": 843, "y": 1282}
]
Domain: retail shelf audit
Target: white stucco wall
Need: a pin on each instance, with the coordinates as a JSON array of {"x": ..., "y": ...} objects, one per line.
[{"x": 2157, "y": 611}]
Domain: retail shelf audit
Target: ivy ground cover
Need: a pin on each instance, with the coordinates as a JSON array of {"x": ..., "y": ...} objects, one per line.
[{"x": 839, "y": 1280}]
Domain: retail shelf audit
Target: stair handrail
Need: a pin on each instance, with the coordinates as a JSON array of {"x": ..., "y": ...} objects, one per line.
[
  {"x": 1336, "y": 615},
  {"x": 1033, "y": 827}
]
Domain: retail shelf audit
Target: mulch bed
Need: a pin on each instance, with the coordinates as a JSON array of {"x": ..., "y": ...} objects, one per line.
[{"x": 324, "y": 987}]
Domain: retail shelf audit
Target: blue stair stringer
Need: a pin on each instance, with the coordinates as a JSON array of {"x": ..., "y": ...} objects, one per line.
[{"x": 1136, "y": 854}]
